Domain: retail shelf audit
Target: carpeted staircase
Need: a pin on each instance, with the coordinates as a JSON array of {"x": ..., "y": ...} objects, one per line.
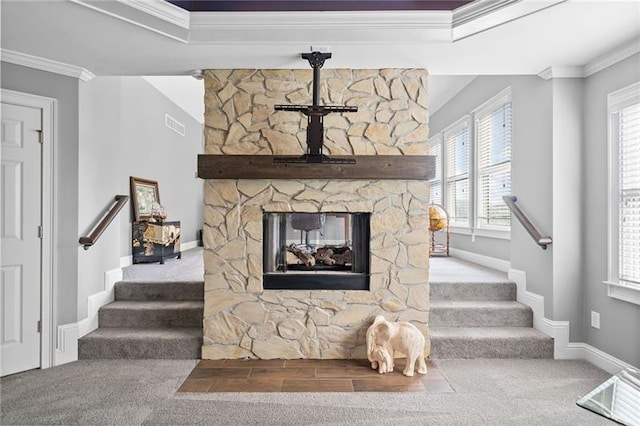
[
  {"x": 160, "y": 320},
  {"x": 483, "y": 320}
]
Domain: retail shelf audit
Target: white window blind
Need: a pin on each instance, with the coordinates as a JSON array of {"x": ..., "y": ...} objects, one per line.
[
  {"x": 493, "y": 139},
  {"x": 456, "y": 147},
  {"x": 435, "y": 149},
  {"x": 629, "y": 194}
]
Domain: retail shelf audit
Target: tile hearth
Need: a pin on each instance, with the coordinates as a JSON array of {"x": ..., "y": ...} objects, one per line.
[{"x": 306, "y": 375}]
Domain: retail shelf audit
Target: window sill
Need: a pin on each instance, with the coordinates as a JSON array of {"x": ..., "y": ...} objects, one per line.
[
  {"x": 626, "y": 292},
  {"x": 485, "y": 233}
]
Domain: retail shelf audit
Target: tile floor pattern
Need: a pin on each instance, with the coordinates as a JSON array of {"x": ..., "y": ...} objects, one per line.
[{"x": 306, "y": 375}]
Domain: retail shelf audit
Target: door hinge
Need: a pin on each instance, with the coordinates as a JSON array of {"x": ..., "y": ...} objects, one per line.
[
  {"x": 40, "y": 231},
  {"x": 39, "y": 326},
  {"x": 40, "y": 136}
]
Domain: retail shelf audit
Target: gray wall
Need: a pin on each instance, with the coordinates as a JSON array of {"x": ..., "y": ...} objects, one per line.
[
  {"x": 619, "y": 333},
  {"x": 108, "y": 129},
  {"x": 153, "y": 151},
  {"x": 100, "y": 155},
  {"x": 531, "y": 173},
  {"x": 123, "y": 134},
  {"x": 559, "y": 173},
  {"x": 65, "y": 90},
  {"x": 567, "y": 201},
  {"x": 532, "y": 181}
]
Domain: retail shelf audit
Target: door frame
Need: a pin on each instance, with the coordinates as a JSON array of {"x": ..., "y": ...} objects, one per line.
[{"x": 48, "y": 107}]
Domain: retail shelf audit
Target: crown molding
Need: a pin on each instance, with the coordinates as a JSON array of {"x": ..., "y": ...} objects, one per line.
[
  {"x": 611, "y": 58},
  {"x": 478, "y": 9},
  {"x": 158, "y": 16},
  {"x": 561, "y": 72},
  {"x": 331, "y": 27},
  {"x": 482, "y": 15},
  {"x": 363, "y": 19},
  {"x": 45, "y": 64},
  {"x": 546, "y": 74},
  {"x": 595, "y": 66},
  {"x": 622, "y": 98},
  {"x": 163, "y": 10}
]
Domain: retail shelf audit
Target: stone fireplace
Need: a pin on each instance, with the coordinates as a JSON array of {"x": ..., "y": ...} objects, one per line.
[{"x": 243, "y": 318}]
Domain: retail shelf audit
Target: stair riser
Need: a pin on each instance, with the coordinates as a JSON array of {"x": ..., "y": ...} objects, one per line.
[
  {"x": 159, "y": 291},
  {"x": 150, "y": 318},
  {"x": 480, "y": 317},
  {"x": 473, "y": 291},
  {"x": 137, "y": 349},
  {"x": 491, "y": 348}
]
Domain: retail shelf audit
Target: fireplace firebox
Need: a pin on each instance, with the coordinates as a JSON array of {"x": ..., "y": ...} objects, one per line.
[{"x": 316, "y": 251}]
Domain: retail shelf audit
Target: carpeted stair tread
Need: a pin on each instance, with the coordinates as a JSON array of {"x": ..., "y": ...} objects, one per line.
[
  {"x": 148, "y": 320},
  {"x": 479, "y": 313},
  {"x": 141, "y": 343},
  {"x": 155, "y": 304},
  {"x": 489, "y": 342},
  {"x": 151, "y": 314},
  {"x": 168, "y": 290},
  {"x": 472, "y": 291}
]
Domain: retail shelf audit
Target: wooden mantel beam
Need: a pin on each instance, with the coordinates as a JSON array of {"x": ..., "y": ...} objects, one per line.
[{"x": 371, "y": 167}]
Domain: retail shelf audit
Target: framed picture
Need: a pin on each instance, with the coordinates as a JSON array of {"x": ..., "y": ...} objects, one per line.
[{"x": 144, "y": 193}]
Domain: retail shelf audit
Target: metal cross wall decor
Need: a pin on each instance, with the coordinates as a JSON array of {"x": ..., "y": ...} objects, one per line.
[{"x": 315, "y": 115}]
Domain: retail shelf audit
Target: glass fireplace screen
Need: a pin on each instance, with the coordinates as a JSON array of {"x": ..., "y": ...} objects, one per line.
[{"x": 316, "y": 250}]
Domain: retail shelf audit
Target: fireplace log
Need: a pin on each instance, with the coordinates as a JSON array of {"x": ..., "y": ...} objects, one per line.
[
  {"x": 333, "y": 255},
  {"x": 305, "y": 257},
  {"x": 342, "y": 256},
  {"x": 325, "y": 255},
  {"x": 292, "y": 259}
]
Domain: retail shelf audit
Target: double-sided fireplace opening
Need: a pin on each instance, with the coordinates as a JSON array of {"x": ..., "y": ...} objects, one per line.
[{"x": 316, "y": 251}]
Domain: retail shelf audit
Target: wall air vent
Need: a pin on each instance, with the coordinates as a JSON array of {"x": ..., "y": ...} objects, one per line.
[{"x": 174, "y": 124}]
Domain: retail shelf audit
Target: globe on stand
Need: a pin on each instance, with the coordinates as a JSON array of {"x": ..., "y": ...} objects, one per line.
[{"x": 438, "y": 221}]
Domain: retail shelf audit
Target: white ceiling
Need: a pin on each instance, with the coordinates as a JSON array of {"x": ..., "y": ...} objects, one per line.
[{"x": 110, "y": 37}]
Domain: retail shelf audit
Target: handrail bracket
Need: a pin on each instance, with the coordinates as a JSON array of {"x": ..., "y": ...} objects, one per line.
[{"x": 542, "y": 241}]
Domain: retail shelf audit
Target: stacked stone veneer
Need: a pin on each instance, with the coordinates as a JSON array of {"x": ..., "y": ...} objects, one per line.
[{"x": 241, "y": 320}]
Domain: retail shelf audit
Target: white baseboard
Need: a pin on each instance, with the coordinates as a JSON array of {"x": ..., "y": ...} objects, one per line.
[
  {"x": 126, "y": 261},
  {"x": 98, "y": 300},
  {"x": 68, "y": 334},
  {"x": 480, "y": 259},
  {"x": 559, "y": 330},
  {"x": 533, "y": 300},
  {"x": 595, "y": 356},
  {"x": 188, "y": 245},
  {"x": 67, "y": 344}
]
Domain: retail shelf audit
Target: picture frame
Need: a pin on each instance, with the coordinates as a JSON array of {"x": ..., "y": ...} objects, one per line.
[{"x": 144, "y": 192}]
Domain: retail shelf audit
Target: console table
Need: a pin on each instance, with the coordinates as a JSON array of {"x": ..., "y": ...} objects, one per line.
[{"x": 155, "y": 241}]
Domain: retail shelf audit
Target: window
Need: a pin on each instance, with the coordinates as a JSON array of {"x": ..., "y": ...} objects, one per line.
[
  {"x": 476, "y": 169},
  {"x": 493, "y": 147},
  {"x": 456, "y": 160},
  {"x": 629, "y": 193},
  {"x": 435, "y": 184},
  {"x": 624, "y": 196}
]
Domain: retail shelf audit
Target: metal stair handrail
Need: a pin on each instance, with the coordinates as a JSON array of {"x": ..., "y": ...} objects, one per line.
[
  {"x": 542, "y": 241},
  {"x": 119, "y": 203}
]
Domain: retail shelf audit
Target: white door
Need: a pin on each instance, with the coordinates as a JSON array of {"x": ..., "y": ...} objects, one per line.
[{"x": 21, "y": 252}]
